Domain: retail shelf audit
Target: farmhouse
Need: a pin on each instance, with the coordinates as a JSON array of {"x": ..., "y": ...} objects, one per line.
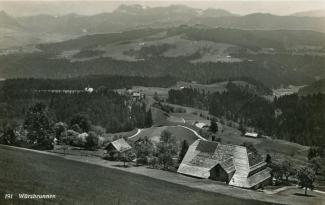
[
  {"x": 119, "y": 145},
  {"x": 231, "y": 164}
]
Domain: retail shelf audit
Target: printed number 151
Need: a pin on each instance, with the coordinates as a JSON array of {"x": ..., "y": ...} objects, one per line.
[{"x": 8, "y": 196}]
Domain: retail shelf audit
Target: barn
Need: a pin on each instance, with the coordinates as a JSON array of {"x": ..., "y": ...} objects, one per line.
[{"x": 231, "y": 164}]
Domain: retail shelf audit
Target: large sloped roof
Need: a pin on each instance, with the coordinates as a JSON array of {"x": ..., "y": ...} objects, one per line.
[
  {"x": 120, "y": 145},
  {"x": 202, "y": 156}
]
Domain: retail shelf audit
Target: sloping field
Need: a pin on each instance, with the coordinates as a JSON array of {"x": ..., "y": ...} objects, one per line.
[
  {"x": 79, "y": 183},
  {"x": 178, "y": 46},
  {"x": 279, "y": 149},
  {"x": 183, "y": 134},
  {"x": 179, "y": 132}
]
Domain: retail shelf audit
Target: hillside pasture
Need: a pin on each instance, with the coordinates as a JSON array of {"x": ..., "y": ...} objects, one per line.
[
  {"x": 79, "y": 183},
  {"x": 174, "y": 46},
  {"x": 154, "y": 134},
  {"x": 279, "y": 150}
]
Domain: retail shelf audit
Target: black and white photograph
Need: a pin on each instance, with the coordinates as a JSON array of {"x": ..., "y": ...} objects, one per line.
[{"x": 159, "y": 102}]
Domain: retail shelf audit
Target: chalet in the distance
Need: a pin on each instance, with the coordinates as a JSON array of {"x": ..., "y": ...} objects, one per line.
[{"x": 232, "y": 164}]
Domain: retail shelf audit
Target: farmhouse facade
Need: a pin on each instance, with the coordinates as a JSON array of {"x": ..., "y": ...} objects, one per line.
[{"x": 232, "y": 164}]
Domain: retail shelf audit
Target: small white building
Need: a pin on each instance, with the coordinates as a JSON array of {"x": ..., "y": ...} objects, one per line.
[
  {"x": 251, "y": 134},
  {"x": 89, "y": 90},
  {"x": 201, "y": 125}
]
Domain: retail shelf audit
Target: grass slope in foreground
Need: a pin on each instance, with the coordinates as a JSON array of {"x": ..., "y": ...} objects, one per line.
[{"x": 78, "y": 183}]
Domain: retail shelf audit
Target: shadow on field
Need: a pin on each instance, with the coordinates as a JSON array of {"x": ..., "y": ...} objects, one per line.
[
  {"x": 121, "y": 166},
  {"x": 300, "y": 194}
]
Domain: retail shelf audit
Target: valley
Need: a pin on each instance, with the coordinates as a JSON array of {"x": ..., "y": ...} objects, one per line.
[{"x": 165, "y": 104}]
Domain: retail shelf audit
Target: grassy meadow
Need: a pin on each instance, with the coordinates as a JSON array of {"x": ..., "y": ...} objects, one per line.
[{"x": 79, "y": 183}]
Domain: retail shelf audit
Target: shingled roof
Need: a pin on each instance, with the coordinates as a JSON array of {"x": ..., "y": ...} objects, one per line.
[
  {"x": 245, "y": 169},
  {"x": 120, "y": 145}
]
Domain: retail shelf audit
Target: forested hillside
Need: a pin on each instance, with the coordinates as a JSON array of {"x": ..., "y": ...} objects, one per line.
[
  {"x": 102, "y": 107},
  {"x": 314, "y": 88},
  {"x": 99, "y": 82},
  {"x": 293, "y": 118}
]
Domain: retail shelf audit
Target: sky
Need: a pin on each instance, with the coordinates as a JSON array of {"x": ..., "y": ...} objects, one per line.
[{"x": 87, "y": 7}]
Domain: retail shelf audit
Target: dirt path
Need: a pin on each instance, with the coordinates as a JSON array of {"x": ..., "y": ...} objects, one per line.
[
  {"x": 138, "y": 132},
  {"x": 195, "y": 132}
]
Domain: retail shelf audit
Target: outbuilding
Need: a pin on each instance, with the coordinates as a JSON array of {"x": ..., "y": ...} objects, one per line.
[{"x": 251, "y": 134}]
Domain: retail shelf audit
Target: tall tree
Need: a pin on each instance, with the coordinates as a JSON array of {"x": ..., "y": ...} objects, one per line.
[
  {"x": 213, "y": 125},
  {"x": 306, "y": 177},
  {"x": 38, "y": 125},
  {"x": 91, "y": 141},
  {"x": 167, "y": 148},
  {"x": 148, "y": 120},
  {"x": 143, "y": 149},
  {"x": 288, "y": 169},
  {"x": 82, "y": 120}
]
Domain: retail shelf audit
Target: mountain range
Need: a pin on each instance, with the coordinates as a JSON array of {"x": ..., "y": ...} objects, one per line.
[
  {"x": 47, "y": 28},
  {"x": 311, "y": 13}
]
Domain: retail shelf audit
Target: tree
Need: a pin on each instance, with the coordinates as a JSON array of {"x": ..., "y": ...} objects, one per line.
[
  {"x": 315, "y": 152},
  {"x": 183, "y": 151},
  {"x": 317, "y": 163},
  {"x": 143, "y": 148},
  {"x": 241, "y": 128},
  {"x": 60, "y": 130},
  {"x": 8, "y": 137},
  {"x": 152, "y": 161},
  {"x": 213, "y": 126},
  {"x": 91, "y": 141},
  {"x": 268, "y": 159},
  {"x": 312, "y": 152},
  {"x": 99, "y": 130},
  {"x": 306, "y": 177},
  {"x": 82, "y": 120},
  {"x": 288, "y": 169},
  {"x": 126, "y": 156},
  {"x": 167, "y": 148},
  {"x": 155, "y": 97},
  {"x": 277, "y": 172},
  {"x": 38, "y": 125},
  {"x": 148, "y": 120}
]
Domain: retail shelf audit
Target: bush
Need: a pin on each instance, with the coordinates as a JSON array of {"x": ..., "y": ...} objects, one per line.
[
  {"x": 80, "y": 140},
  {"x": 9, "y": 137}
]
